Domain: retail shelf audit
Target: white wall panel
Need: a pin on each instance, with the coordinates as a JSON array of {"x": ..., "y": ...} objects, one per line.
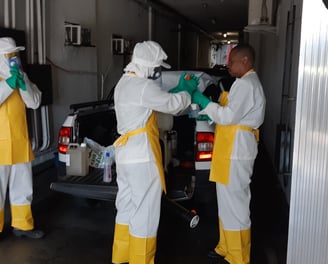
[{"x": 308, "y": 229}]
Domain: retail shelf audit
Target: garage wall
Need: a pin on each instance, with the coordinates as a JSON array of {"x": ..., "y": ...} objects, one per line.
[
  {"x": 74, "y": 69},
  {"x": 123, "y": 18},
  {"x": 77, "y": 72},
  {"x": 166, "y": 31},
  {"x": 277, "y": 51}
]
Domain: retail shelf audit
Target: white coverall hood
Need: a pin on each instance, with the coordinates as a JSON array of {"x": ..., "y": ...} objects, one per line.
[
  {"x": 146, "y": 56},
  {"x": 7, "y": 45}
]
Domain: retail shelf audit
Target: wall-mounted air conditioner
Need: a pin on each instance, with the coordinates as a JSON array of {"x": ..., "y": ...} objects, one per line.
[
  {"x": 118, "y": 45},
  {"x": 262, "y": 16},
  {"x": 73, "y": 34}
]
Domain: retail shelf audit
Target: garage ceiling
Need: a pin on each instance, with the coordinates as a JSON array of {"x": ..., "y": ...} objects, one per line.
[{"x": 212, "y": 15}]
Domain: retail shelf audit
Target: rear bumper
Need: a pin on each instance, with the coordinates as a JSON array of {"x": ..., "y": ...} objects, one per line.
[
  {"x": 61, "y": 157},
  {"x": 90, "y": 186},
  {"x": 93, "y": 187}
]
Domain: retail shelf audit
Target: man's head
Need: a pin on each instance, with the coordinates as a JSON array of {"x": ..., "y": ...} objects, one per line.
[
  {"x": 241, "y": 60},
  {"x": 147, "y": 59}
]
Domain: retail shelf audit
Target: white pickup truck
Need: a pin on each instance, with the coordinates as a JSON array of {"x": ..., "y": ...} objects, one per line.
[{"x": 186, "y": 145}]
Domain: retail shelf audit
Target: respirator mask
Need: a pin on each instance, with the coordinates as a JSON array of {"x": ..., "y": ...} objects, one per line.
[
  {"x": 13, "y": 60},
  {"x": 156, "y": 74},
  {"x": 7, "y": 61}
]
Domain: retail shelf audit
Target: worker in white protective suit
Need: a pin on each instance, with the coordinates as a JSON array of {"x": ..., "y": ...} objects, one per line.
[
  {"x": 237, "y": 116},
  {"x": 140, "y": 176},
  {"x": 16, "y": 93}
]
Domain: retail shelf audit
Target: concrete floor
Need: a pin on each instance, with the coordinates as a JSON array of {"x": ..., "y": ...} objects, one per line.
[{"x": 80, "y": 231}]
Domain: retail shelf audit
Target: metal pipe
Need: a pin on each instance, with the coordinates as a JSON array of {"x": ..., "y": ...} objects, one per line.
[
  {"x": 179, "y": 46},
  {"x": 150, "y": 23},
  {"x": 13, "y": 13},
  {"x": 28, "y": 28},
  {"x": 35, "y": 142},
  {"x": 197, "y": 52},
  {"x": 45, "y": 128},
  {"x": 44, "y": 60},
  {"x": 39, "y": 31},
  {"x": 190, "y": 216},
  {"x": 6, "y": 14},
  {"x": 32, "y": 31}
]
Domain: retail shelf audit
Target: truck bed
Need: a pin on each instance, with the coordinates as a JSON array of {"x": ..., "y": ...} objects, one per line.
[{"x": 180, "y": 184}]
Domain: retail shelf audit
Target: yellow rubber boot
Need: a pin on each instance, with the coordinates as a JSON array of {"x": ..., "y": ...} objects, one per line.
[
  {"x": 239, "y": 246},
  {"x": 142, "y": 250},
  {"x": 2, "y": 219},
  {"x": 221, "y": 248},
  {"x": 120, "y": 252},
  {"x": 22, "y": 217}
]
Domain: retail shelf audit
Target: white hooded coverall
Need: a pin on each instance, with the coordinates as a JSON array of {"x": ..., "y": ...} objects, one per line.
[
  {"x": 15, "y": 148},
  {"x": 138, "y": 171},
  {"x": 235, "y": 149}
]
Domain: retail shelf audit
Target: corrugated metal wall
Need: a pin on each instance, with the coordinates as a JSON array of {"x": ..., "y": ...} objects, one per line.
[{"x": 308, "y": 225}]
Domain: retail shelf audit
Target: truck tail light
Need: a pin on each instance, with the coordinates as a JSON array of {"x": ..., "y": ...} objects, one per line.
[
  {"x": 204, "y": 146},
  {"x": 64, "y": 139}
]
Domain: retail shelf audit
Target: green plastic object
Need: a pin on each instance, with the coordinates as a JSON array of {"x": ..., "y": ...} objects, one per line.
[{"x": 200, "y": 99}]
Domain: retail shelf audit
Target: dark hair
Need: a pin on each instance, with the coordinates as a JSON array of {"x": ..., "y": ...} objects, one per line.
[{"x": 245, "y": 50}]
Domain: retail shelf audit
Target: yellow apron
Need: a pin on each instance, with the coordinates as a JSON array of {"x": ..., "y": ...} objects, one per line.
[
  {"x": 151, "y": 129},
  {"x": 15, "y": 145},
  {"x": 223, "y": 99},
  {"x": 223, "y": 145}
]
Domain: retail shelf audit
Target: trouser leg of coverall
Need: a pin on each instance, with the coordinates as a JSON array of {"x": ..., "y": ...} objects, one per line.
[
  {"x": 4, "y": 176},
  {"x": 138, "y": 208},
  {"x": 221, "y": 248},
  {"x": 120, "y": 251},
  {"x": 20, "y": 196},
  {"x": 234, "y": 214}
]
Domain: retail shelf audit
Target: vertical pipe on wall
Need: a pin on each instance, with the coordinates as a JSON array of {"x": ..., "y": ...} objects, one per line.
[
  {"x": 44, "y": 31},
  {"x": 32, "y": 30},
  {"x": 28, "y": 28},
  {"x": 39, "y": 31},
  {"x": 45, "y": 128},
  {"x": 6, "y": 13},
  {"x": 13, "y": 13},
  {"x": 179, "y": 46},
  {"x": 197, "y": 52},
  {"x": 36, "y": 134},
  {"x": 41, "y": 59},
  {"x": 150, "y": 23}
]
